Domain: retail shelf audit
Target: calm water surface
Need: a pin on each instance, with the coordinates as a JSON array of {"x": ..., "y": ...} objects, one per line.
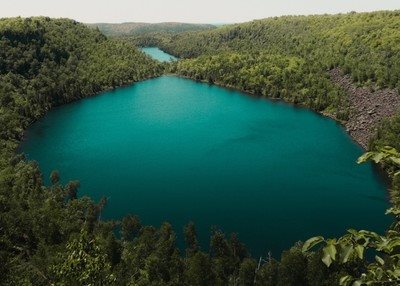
[
  {"x": 158, "y": 54},
  {"x": 171, "y": 149}
]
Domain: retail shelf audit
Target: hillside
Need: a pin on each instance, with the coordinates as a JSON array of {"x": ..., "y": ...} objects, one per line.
[
  {"x": 364, "y": 46},
  {"x": 46, "y": 62},
  {"x": 43, "y": 63},
  {"x": 136, "y": 29}
]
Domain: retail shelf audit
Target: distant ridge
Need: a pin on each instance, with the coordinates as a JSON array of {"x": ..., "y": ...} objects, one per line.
[{"x": 138, "y": 28}]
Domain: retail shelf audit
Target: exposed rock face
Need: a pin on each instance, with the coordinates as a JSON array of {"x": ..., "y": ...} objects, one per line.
[{"x": 368, "y": 106}]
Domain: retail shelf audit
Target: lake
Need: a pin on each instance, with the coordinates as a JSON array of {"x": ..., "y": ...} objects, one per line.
[
  {"x": 172, "y": 149},
  {"x": 158, "y": 54}
]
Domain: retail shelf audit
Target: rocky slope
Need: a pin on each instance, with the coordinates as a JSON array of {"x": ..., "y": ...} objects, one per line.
[{"x": 368, "y": 106}]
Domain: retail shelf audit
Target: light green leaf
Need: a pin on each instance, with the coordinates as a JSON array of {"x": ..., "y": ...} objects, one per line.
[
  {"x": 326, "y": 259},
  {"x": 353, "y": 231},
  {"x": 331, "y": 249},
  {"x": 396, "y": 273},
  {"x": 329, "y": 252},
  {"x": 345, "y": 280},
  {"x": 365, "y": 157},
  {"x": 345, "y": 252},
  {"x": 393, "y": 210},
  {"x": 310, "y": 243},
  {"x": 360, "y": 251},
  {"x": 379, "y": 260},
  {"x": 395, "y": 160},
  {"x": 390, "y": 150},
  {"x": 377, "y": 157}
]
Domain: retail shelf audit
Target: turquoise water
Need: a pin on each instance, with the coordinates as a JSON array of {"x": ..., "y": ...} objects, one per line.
[
  {"x": 158, "y": 54},
  {"x": 171, "y": 149}
]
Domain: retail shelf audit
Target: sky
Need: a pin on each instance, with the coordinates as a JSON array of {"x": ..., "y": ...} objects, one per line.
[{"x": 191, "y": 11}]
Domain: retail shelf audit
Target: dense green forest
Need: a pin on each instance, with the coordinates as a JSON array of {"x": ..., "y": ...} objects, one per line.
[
  {"x": 148, "y": 34},
  {"x": 50, "y": 236},
  {"x": 365, "y": 45},
  {"x": 271, "y": 75},
  {"x": 135, "y": 29}
]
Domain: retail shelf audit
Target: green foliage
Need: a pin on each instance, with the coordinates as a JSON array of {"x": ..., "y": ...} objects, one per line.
[
  {"x": 43, "y": 63},
  {"x": 84, "y": 263},
  {"x": 134, "y": 29},
  {"x": 267, "y": 274},
  {"x": 292, "y": 268},
  {"x": 385, "y": 270},
  {"x": 271, "y": 75},
  {"x": 247, "y": 272},
  {"x": 288, "y": 57},
  {"x": 192, "y": 244},
  {"x": 388, "y": 134},
  {"x": 387, "y": 155},
  {"x": 366, "y": 45},
  {"x": 352, "y": 246},
  {"x": 130, "y": 227},
  {"x": 198, "y": 270}
]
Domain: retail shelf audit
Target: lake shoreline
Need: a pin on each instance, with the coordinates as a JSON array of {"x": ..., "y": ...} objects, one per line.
[
  {"x": 343, "y": 123},
  {"x": 297, "y": 105},
  {"x": 219, "y": 148},
  {"x": 22, "y": 136}
]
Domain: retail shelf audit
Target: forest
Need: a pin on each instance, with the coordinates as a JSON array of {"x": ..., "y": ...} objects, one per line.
[
  {"x": 49, "y": 235},
  {"x": 136, "y": 29},
  {"x": 364, "y": 45}
]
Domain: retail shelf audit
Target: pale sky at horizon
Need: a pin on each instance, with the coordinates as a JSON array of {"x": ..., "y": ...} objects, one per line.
[{"x": 191, "y": 11}]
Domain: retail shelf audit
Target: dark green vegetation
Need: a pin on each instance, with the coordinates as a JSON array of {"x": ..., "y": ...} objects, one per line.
[
  {"x": 252, "y": 56},
  {"x": 365, "y": 45},
  {"x": 135, "y": 29},
  {"x": 49, "y": 236},
  {"x": 149, "y": 34},
  {"x": 272, "y": 75},
  {"x": 46, "y": 62}
]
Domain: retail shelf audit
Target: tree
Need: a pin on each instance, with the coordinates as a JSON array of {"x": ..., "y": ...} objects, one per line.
[
  {"x": 72, "y": 189},
  {"x": 247, "y": 272},
  {"x": 198, "y": 271},
  {"x": 130, "y": 227},
  {"x": 267, "y": 274},
  {"x": 54, "y": 177},
  {"x": 83, "y": 263},
  {"x": 292, "y": 268},
  {"x": 192, "y": 245}
]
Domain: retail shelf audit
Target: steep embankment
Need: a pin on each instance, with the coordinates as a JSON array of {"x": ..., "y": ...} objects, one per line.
[{"x": 369, "y": 106}]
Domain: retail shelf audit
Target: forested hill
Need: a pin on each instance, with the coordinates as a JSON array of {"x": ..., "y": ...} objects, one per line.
[
  {"x": 290, "y": 58},
  {"x": 344, "y": 39},
  {"x": 365, "y": 44},
  {"x": 45, "y": 62},
  {"x": 135, "y": 29}
]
